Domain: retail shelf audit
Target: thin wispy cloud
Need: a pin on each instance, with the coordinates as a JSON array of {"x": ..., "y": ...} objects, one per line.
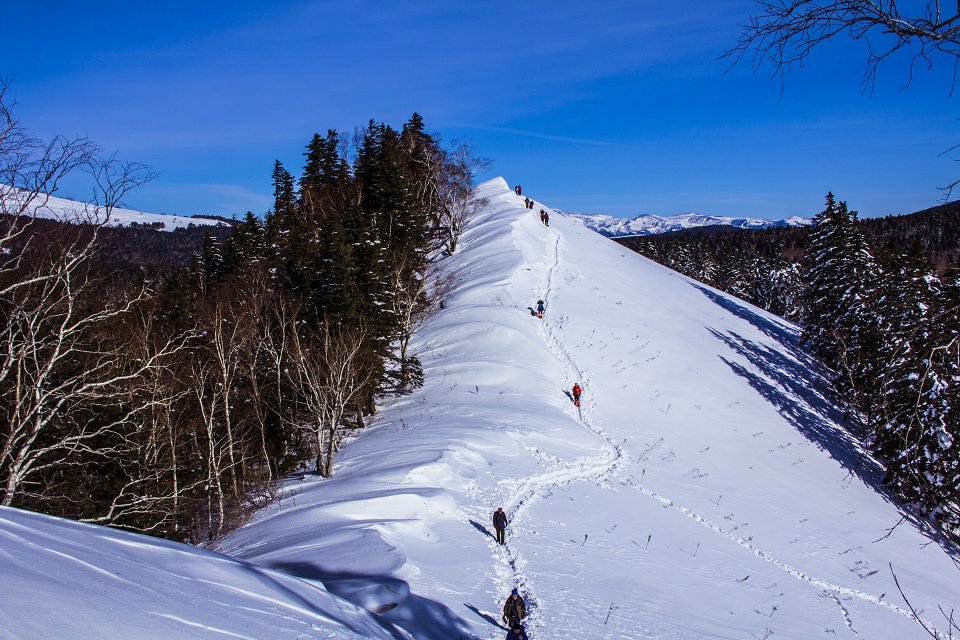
[{"x": 543, "y": 136}]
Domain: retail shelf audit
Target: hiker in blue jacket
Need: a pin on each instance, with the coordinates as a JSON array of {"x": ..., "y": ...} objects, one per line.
[
  {"x": 517, "y": 633},
  {"x": 540, "y": 308}
]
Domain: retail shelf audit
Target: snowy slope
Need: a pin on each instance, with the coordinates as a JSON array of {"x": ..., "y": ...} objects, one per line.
[
  {"x": 61, "y": 579},
  {"x": 703, "y": 491},
  {"x": 645, "y": 225},
  {"x": 65, "y": 210}
]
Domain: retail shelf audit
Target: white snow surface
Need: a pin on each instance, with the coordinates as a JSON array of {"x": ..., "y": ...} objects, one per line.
[
  {"x": 648, "y": 224},
  {"x": 62, "y": 579},
  {"x": 703, "y": 490},
  {"x": 73, "y": 211}
]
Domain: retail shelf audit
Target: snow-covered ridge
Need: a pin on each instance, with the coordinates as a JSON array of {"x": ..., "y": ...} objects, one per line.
[
  {"x": 73, "y": 211},
  {"x": 705, "y": 489},
  {"x": 648, "y": 224}
]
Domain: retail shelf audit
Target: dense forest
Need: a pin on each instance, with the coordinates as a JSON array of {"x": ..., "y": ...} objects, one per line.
[
  {"x": 878, "y": 301},
  {"x": 162, "y": 382}
]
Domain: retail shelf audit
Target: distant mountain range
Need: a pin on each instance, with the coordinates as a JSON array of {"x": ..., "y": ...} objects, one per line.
[
  {"x": 645, "y": 225},
  {"x": 65, "y": 210}
]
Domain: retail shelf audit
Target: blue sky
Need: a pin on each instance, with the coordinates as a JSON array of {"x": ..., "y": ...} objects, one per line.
[{"x": 603, "y": 107}]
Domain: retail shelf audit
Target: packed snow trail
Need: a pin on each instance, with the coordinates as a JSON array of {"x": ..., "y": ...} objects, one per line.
[{"x": 528, "y": 490}]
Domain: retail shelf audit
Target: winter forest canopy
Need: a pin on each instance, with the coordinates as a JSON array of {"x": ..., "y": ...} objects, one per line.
[{"x": 170, "y": 399}]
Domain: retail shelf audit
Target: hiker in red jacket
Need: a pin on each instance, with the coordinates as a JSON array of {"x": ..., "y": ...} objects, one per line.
[{"x": 576, "y": 394}]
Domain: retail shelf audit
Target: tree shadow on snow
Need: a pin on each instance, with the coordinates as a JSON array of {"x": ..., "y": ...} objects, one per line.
[
  {"x": 390, "y": 598},
  {"x": 772, "y": 329},
  {"x": 796, "y": 384}
]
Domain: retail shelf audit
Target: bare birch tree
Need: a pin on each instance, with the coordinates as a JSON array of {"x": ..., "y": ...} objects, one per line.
[
  {"x": 330, "y": 378},
  {"x": 449, "y": 191},
  {"x": 55, "y": 363}
]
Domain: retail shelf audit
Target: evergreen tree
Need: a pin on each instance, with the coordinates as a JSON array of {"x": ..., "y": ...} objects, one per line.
[
  {"x": 922, "y": 395},
  {"x": 860, "y": 328},
  {"x": 324, "y": 166},
  {"x": 841, "y": 316},
  {"x": 246, "y": 247},
  {"x": 825, "y": 286}
]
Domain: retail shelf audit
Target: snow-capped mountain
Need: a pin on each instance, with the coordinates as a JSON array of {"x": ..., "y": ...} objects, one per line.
[
  {"x": 644, "y": 225},
  {"x": 705, "y": 489},
  {"x": 65, "y": 210}
]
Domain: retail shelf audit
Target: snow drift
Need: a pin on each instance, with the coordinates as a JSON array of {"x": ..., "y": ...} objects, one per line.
[{"x": 62, "y": 579}]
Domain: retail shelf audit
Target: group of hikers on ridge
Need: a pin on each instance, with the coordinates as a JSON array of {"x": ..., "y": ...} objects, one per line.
[{"x": 515, "y": 609}]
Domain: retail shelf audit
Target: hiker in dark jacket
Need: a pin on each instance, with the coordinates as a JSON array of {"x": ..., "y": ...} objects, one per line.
[
  {"x": 514, "y": 610},
  {"x": 517, "y": 633},
  {"x": 500, "y": 525},
  {"x": 540, "y": 308}
]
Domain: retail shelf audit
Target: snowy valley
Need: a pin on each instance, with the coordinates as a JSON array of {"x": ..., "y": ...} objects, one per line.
[{"x": 704, "y": 489}]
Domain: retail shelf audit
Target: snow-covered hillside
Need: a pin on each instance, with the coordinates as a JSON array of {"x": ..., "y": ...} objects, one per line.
[
  {"x": 645, "y": 225},
  {"x": 65, "y": 210},
  {"x": 703, "y": 490},
  {"x": 61, "y": 579}
]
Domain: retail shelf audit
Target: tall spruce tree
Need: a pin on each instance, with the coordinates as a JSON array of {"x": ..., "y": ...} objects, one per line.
[
  {"x": 825, "y": 287},
  {"x": 841, "y": 318},
  {"x": 919, "y": 436}
]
